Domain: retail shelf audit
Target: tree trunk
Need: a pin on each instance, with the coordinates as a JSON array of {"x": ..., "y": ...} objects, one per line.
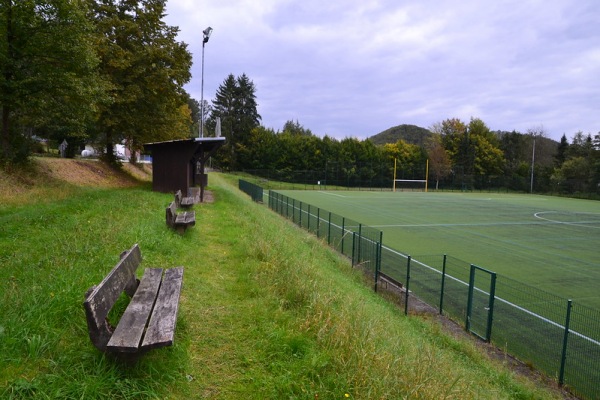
[
  {"x": 8, "y": 77},
  {"x": 5, "y": 132}
]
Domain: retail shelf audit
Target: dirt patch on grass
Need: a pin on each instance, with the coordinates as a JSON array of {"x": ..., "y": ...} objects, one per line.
[
  {"x": 93, "y": 173},
  {"x": 45, "y": 177}
]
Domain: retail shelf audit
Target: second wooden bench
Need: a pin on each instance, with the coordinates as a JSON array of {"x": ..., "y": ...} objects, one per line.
[{"x": 179, "y": 221}]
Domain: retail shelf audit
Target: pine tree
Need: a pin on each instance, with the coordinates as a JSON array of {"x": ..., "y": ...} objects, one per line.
[{"x": 235, "y": 104}]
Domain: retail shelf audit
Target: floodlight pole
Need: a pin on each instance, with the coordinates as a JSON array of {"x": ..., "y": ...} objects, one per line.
[
  {"x": 206, "y": 35},
  {"x": 532, "y": 166}
]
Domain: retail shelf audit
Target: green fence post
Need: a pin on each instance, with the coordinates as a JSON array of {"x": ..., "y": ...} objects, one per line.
[
  {"x": 294, "y": 207},
  {"x": 488, "y": 333},
  {"x": 443, "y": 285},
  {"x": 300, "y": 215},
  {"x": 407, "y": 285},
  {"x": 343, "y": 231},
  {"x": 359, "y": 257},
  {"x": 329, "y": 230},
  {"x": 470, "y": 299},
  {"x": 380, "y": 250},
  {"x": 563, "y": 358},
  {"x": 378, "y": 259},
  {"x": 318, "y": 222},
  {"x": 287, "y": 207},
  {"x": 353, "y": 245},
  {"x": 308, "y": 218}
]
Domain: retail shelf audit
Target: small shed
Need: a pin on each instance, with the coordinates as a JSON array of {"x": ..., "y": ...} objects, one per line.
[{"x": 180, "y": 164}]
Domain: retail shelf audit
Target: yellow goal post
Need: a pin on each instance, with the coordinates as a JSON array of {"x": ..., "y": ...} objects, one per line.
[{"x": 411, "y": 180}]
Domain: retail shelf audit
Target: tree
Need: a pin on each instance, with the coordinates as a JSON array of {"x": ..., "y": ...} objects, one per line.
[
  {"x": 47, "y": 71},
  {"x": 295, "y": 128},
  {"x": 473, "y": 148},
  {"x": 146, "y": 68},
  {"x": 439, "y": 162},
  {"x": 235, "y": 104},
  {"x": 561, "y": 153}
]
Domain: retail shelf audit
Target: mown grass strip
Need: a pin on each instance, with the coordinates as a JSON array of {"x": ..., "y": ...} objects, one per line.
[{"x": 267, "y": 312}]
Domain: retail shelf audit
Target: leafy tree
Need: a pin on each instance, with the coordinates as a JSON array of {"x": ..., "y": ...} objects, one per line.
[
  {"x": 439, "y": 162},
  {"x": 47, "y": 72},
  {"x": 146, "y": 68},
  {"x": 473, "y": 147},
  {"x": 194, "y": 110}
]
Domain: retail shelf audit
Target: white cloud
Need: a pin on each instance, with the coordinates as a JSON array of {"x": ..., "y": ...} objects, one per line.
[{"x": 356, "y": 67}]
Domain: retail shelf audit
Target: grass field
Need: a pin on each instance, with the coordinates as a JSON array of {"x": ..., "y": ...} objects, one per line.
[
  {"x": 267, "y": 311},
  {"x": 548, "y": 242}
]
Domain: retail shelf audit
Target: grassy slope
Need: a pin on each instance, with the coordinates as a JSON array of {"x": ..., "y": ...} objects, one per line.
[{"x": 266, "y": 312}]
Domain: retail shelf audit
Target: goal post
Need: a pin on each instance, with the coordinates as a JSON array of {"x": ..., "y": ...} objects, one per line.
[{"x": 424, "y": 181}]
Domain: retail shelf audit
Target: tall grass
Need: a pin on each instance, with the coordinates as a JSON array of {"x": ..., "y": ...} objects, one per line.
[{"x": 266, "y": 312}]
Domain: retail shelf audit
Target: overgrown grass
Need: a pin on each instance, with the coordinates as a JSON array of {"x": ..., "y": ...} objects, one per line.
[{"x": 267, "y": 312}]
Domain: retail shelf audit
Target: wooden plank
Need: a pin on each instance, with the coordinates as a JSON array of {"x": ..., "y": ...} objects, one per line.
[
  {"x": 178, "y": 196},
  {"x": 128, "y": 334},
  {"x": 102, "y": 297},
  {"x": 186, "y": 218},
  {"x": 187, "y": 201},
  {"x": 161, "y": 329},
  {"x": 171, "y": 214}
]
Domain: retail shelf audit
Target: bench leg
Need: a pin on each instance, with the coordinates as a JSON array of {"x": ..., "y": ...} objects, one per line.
[{"x": 180, "y": 229}]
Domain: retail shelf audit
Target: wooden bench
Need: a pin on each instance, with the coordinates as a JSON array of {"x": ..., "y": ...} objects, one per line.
[
  {"x": 388, "y": 279},
  {"x": 148, "y": 321},
  {"x": 181, "y": 201},
  {"x": 179, "y": 221}
]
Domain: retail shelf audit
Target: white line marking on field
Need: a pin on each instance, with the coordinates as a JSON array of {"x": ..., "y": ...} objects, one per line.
[
  {"x": 331, "y": 194},
  {"x": 465, "y": 224},
  {"x": 538, "y": 215}
]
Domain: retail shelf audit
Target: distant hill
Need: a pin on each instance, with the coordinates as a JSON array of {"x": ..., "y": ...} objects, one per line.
[{"x": 409, "y": 133}]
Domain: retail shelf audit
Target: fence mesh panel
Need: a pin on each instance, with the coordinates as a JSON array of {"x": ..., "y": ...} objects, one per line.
[{"x": 544, "y": 330}]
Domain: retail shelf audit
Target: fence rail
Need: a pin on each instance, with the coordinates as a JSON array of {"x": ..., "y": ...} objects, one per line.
[
  {"x": 254, "y": 191},
  {"x": 551, "y": 333}
]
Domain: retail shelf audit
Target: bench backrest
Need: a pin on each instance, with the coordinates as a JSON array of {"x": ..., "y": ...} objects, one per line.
[
  {"x": 171, "y": 212},
  {"x": 101, "y": 298}
]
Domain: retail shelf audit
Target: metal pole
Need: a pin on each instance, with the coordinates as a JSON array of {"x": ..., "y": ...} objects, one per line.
[
  {"x": 202, "y": 95},
  {"x": 470, "y": 299},
  {"x": 443, "y": 285},
  {"x": 488, "y": 333},
  {"x": 532, "y": 165},
  {"x": 407, "y": 286},
  {"x": 205, "y": 36},
  {"x": 343, "y": 231},
  {"x": 563, "y": 358}
]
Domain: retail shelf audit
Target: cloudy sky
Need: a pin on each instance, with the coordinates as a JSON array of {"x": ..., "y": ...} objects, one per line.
[{"x": 353, "y": 68}]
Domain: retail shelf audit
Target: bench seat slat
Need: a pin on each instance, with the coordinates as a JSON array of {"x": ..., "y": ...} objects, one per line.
[
  {"x": 161, "y": 329},
  {"x": 128, "y": 333},
  {"x": 187, "y": 201},
  {"x": 186, "y": 218}
]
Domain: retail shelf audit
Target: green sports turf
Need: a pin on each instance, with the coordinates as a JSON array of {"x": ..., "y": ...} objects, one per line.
[{"x": 549, "y": 242}]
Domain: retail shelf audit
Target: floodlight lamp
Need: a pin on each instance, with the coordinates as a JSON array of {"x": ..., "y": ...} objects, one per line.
[{"x": 207, "y": 33}]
